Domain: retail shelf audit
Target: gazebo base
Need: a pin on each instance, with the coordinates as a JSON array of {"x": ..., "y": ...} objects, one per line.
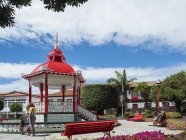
[{"x": 56, "y": 117}]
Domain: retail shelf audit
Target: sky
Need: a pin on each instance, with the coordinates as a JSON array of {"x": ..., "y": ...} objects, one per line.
[{"x": 145, "y": 37}]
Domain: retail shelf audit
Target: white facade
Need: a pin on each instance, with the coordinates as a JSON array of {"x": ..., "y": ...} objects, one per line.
[
  {"x": 135, "y": 101},
  {"x": 8, "y": 100},
  {"x": 23, "y": 99}
]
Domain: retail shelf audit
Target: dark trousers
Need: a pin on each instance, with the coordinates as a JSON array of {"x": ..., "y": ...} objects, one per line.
[{"x": 31, "y": 124}]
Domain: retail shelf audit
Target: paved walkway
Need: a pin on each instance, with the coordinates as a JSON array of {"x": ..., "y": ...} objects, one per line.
[{"x": 126, "y": 127}]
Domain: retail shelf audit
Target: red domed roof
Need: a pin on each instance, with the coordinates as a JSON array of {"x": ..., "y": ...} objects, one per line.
[
  {"x": 56, "y": 51},
  {"x": 56, "y": 63},
  {"x": 55, "y": 67}
]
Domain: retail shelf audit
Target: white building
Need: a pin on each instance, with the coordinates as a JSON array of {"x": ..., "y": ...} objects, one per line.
[
  {"x": 23, "y": 98},
  {"x": 12, "y": 97},
  {"x": 135, "y": 102}
]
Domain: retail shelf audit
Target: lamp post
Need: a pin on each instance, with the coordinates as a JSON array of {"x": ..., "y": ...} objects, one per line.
[{"x": 158, "y": 94}]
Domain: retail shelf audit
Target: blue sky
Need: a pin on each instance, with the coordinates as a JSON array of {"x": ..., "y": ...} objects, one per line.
[{"x": 145, "y": 38}]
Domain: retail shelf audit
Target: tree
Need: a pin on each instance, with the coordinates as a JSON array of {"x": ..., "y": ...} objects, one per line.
[
  {"x": 121, "y": 83},
  {"x": 7, "y": 8},
  {"x": 173, "y": 89},
  {"x": 147, "y": 92},
  {"x": 16, "y": 107},
  {"x": 1, "y": 105},
  {"x": 99, "y": 97}
]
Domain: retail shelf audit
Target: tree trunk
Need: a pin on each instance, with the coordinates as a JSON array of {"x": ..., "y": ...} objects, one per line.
[{"x": 178, "y": 105}]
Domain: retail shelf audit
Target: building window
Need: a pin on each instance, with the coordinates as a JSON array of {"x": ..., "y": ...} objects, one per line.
[
  {"x": 147, "y": 105},
  {"x": 5, "y": 103},
  {"x": 165, "y": 105},
  {"x": 134, "y": 94},
  {"x": 69, "y": 100},
  {"x": 134, "y": 106},
  {"x": 22, "y": 102},
  {"x": 59, "y": 100}
]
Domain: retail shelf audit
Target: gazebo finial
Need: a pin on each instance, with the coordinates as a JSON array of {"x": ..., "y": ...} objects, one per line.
[{"x": 57, "y": 43}]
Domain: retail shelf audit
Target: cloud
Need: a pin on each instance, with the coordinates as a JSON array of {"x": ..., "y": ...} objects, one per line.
[
  {"x": 126, "y": 22},
  {"x": 93, "y": 75},
  {"x": 13, "y": 71}
]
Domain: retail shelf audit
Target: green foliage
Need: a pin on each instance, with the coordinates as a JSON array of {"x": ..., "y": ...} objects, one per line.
[
  {"x": 1, "y": 105},
  {"x": 7, "y": 8},
  {"x": 147, "y": 113},
  {"x": 145, "y": 91},
  {"x": 16, "y": 107},
  {"x": 99, "y": 97},
  {"x": 176, "y": 124},
  {"x": 183, "y": 107},
  {"x": 60, "y": 5},
  {"x": 173, "y": 89},
  {"x": 174, "y": 115},
  {"x": 129, "y": 114},
  {"x": 122, "y": 83},
  {"x": 107, "y": 117}
]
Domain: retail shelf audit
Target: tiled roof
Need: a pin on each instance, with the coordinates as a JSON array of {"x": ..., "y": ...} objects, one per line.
[
  {"x": 59, "y": 94},
  {"x": 15, "y": 94},
  {"x": 151, "y": 83}
]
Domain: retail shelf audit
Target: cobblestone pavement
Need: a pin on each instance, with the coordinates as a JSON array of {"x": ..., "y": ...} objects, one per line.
[{"x": 124, "y": 128}]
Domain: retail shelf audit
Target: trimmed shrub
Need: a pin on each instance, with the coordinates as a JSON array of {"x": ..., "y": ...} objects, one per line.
[
  {"x": 1, "y": 105},
  {"x": 129, "y": 114},
  {"x": 107, "y": 117},
  {"x": 99, "y": 97},
  {"x": 16, "y": 107},
  {"x": 147, "y": 113},
  {"x": 174, "y": 115}
]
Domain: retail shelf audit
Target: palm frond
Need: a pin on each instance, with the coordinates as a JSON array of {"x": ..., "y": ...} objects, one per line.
[
  {"x": 112, "y": 81},
  {"x": 124, "y": 76},
  {"x": 131, "y": 80},
  {"x": 118, "y": 75}
]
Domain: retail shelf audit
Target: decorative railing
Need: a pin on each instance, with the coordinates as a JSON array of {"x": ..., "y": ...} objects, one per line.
[
  {"x": 40, "y": 106},
  {"x": 87, "y": 114},
  {"x": 39, "y": 127},
  {"x": 60, "y": 107},
  {"x": 134, "y": 98},
  {"x": 54, "y": 107}
]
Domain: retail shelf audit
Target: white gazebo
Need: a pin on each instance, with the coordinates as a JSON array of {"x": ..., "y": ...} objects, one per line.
[{"x": 57, "y": 74}]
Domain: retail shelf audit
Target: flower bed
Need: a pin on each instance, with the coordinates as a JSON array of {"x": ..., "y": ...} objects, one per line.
[
  {"x": 148, "y": 119},
  {"x": 154, "y": 135},
  {"x": 176, "y": 124}
]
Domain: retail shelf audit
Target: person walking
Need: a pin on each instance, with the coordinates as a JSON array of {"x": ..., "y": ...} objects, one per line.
[
  {"x": 32, "y": 118},
  {"x": 21, "y": 125}
]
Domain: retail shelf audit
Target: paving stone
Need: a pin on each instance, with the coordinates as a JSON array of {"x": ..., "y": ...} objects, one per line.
[{"x": 126, "y": 127}]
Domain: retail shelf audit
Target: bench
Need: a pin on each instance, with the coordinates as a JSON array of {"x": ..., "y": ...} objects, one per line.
[{"x": 89, "y": 127}]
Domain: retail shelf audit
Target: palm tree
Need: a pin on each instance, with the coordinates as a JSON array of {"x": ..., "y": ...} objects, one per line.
[{"x": 122, "y": 83}]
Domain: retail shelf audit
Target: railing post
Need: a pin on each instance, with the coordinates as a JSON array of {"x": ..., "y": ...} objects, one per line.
[{"x": 30, "y": 92}]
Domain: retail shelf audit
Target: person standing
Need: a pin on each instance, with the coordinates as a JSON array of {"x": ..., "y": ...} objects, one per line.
[
  {"x": 22, "y": 124},
  {"x": 32, "y": 118}
]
